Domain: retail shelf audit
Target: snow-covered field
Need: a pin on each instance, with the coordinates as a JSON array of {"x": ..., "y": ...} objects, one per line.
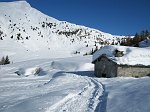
[
  {"x": 68, "y": 85},
  {"x": 46, "y": 74}
]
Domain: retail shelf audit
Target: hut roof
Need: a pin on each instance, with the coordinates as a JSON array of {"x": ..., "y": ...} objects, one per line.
[{"x": 131, "y": 55}]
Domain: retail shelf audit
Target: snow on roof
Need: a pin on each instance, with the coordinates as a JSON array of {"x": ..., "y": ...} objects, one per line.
[
  {"x": 132, "y": 55},
  {"x": 145, "y": 43}
]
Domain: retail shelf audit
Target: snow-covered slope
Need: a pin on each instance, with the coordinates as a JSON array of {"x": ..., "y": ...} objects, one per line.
[
  {"x": 68, "y": 85},
  {"x": 126, "y": 94},
  {"x": 26, "y": 32},
  {"x": 60, "y": 83}
]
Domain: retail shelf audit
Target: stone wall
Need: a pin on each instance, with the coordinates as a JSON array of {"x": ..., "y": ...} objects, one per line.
[
  {"x": 133, "y": 71},
  {"x": 105, "y": 68}
]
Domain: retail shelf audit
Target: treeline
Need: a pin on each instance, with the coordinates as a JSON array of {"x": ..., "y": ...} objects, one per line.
[
  {"x": 4, "y": 60},
  {"x": 143, "y": 35}
]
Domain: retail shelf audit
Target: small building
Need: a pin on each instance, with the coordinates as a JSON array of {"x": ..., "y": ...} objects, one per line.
[{"x": 113, "y": 61}]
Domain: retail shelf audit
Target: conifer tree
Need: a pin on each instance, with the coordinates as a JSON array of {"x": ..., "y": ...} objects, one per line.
[
  {"x": 147, "y": 33},
  {"x": 7, "y": 60},
  {"x": 2, "y": 62}
]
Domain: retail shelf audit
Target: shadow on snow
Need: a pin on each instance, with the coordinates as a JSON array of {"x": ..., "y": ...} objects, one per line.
[{"x": 83, "y": 73}]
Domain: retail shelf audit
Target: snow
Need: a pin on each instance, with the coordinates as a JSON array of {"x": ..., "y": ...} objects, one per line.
[
  {"x": 58, "y": 89},
  {"x": 127, "y": 94},
  {"x": 69, "y": 87},
  {"x": 36, "y": 41},
  {"x": 46, "y": 76},
  {"x": 145, "y": 43},
  {"x": 132, "y": 55},
  {"x": 29, "y": 71}
]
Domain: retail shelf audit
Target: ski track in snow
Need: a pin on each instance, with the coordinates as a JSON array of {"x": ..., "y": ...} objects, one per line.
[
  {"x": 85, "y": 101},
  {"x": 65, "y": 88},
  {"x": 63, "y": 84}
]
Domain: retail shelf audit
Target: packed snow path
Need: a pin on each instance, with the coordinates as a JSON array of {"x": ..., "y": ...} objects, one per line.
[
  {"x": 81, "y": 98},
  {"x": 85, "y": 100},
  {"x": 67, "y": 85},
  {"x": 53, "y": 89}
]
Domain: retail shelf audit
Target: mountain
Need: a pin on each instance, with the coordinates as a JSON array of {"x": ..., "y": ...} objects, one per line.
[
  {"x": 62, "y": 83},
  {"x": 27, "y": 33}
]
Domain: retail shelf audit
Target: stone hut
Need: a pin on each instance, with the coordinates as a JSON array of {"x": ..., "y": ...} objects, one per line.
[{"x": 110, "y": 62}]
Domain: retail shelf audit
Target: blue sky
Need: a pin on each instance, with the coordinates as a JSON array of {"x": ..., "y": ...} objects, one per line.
[{"x": 120, "y": 17}]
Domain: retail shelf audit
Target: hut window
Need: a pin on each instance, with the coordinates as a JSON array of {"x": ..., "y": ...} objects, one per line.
[
  {"x": 118, "y": 53},
  {"x": 103, "y": 75}
]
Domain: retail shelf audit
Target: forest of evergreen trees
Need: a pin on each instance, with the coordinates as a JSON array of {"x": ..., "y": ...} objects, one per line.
[{"x": 143, "y": 35}]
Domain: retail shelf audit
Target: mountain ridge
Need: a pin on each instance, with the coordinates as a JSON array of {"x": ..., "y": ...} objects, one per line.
[{"x": 37, "y": 33}]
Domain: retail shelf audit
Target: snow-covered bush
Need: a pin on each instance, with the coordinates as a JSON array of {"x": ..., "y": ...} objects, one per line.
[{"x": 35, "y": 71}]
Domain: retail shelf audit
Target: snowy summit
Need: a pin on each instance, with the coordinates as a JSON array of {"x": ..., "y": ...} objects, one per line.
[{"x": 44, "y": 36}]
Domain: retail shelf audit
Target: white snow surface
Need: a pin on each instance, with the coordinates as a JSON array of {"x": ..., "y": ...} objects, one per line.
[
  {"x": 68, "y": 84},
  {"x": 61, "y": 85},
  {"x": 46, "y": 76},
  {"x": 132, "y": 55},
  {"x": 30, "y": 34}
]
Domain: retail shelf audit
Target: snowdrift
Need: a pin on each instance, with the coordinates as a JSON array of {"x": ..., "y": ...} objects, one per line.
[{"x": 35, "y": 71}]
